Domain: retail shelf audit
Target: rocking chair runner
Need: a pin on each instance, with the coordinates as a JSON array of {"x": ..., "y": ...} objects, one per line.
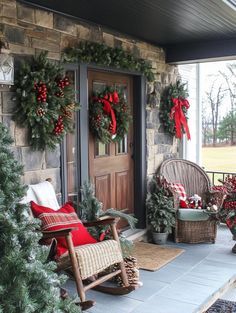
[
  {"x": 192, "y": 225},
  {"x": 89, "y": 260}
]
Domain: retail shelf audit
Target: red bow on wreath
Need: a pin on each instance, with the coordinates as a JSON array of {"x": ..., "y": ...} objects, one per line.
[
  {"x": 107, "y": 108},
  {"x": 178, "y": 115}
]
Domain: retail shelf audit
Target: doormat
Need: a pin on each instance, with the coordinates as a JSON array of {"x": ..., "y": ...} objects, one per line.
[
  {"x": 152, "y": 257},
  {"x": 222, "y": 306}
]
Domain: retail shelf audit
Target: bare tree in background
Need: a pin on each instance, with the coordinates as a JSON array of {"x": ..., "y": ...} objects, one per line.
[
  {"x": 230, "y": 79},
  {"x": 214, "y": 98},
  {"x": 206, "y": 125}
]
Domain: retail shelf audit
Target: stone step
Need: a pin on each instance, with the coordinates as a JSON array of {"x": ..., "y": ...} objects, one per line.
[{"x": 134, "y": 234}]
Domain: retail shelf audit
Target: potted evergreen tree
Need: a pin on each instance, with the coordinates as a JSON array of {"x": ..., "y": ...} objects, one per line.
[{"x": 160, "y": 211}]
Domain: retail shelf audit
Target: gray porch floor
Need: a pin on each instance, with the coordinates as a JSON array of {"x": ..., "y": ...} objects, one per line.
[{"x": 188, "y": 284}]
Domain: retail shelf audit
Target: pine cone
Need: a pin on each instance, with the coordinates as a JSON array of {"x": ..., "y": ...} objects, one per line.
[{"x": 131, "y": 266}]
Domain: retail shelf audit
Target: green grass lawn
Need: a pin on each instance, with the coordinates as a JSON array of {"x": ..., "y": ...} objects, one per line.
[{"x": 219, "y": 158}]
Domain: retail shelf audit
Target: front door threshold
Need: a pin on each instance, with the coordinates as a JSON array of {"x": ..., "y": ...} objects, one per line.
[{"x": 134, "y": 234}]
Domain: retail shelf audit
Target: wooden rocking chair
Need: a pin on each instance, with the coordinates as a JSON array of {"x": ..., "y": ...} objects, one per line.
[{"x": 88, "y": 262}]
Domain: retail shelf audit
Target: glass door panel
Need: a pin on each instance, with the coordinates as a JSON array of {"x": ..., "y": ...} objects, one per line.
[
  {"x": 122, "y": 146},
  {"x": 101, "y": 149}
]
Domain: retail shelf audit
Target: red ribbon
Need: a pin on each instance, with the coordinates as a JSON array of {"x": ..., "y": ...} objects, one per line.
[
  {"x": 108, "y": 110},
  {"x": 115, "y": 97},
  {"x": 178, "y": 115}
]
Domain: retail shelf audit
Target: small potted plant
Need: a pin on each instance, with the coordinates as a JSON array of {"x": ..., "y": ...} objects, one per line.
[{"x": 160, "y": 211}]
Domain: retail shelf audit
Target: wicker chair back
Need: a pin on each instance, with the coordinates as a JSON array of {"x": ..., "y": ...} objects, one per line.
[{"x": 190, "y": 175}]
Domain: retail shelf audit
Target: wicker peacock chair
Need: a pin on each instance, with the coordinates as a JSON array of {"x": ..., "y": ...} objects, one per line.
[{"x": 199, "y": 227}]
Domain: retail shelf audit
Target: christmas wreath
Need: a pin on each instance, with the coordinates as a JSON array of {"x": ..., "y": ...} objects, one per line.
[
  {"x": 46, "y": 102},
  {"x": 173, "y": 110},
  {"x": 109, "y": 116}
]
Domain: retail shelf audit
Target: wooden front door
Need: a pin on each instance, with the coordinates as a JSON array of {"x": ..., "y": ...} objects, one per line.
[{"x": 111, "y": 165}]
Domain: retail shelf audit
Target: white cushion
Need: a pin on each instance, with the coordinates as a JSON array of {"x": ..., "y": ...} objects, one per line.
[{"x": 42, "y": 194}]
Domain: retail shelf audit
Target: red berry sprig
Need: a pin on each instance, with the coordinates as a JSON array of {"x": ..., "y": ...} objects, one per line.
[
  {"x": 62, "y": 83},
  {"x": 230, "y": 182},
  {"x": 41, "y": 89},
  {"x": 97, "y": 120},
  {"x": 230, "y": 205},
  {"x": 220, "y": 188},
  {"x": 59, "y": 127}
]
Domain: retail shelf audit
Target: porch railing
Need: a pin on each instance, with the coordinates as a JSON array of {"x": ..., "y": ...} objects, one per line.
[{"x": 215, "y": 175}]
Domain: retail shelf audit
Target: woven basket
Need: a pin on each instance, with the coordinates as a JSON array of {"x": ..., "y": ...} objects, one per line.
[{"x": 195, "y": 232}]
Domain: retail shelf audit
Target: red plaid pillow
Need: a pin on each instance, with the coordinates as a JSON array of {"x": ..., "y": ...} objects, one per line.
[
  {"x": 65, "y": 217},
  {"x": 179, "y": 189}
]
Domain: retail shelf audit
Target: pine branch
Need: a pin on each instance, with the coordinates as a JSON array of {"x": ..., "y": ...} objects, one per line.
[
  {"x": 89, "y": 208},
  {"x": 127, "y": 246},
  {"x": 116, "y": 213}
]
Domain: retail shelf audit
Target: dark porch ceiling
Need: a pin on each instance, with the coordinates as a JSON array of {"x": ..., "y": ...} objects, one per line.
[{"x": 189, "y": 30}]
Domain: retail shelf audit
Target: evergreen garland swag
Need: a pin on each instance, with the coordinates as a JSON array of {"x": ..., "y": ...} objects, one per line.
[
  {"x": 177, "y": 90},
  {"x": 46, "y": 102},
  {"x": 109, "y": 115},
  {"x": 28, "y": 284},
  {"x": 100, "y": 54}
]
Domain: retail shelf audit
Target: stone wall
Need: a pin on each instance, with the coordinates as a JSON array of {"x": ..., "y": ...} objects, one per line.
[{"x": 28, "y": 31}]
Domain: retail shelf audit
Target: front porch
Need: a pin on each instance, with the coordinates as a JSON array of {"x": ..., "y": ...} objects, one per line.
[
  {"x": 204, "y": 272},
  {"x": 188, "y": 284}
]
